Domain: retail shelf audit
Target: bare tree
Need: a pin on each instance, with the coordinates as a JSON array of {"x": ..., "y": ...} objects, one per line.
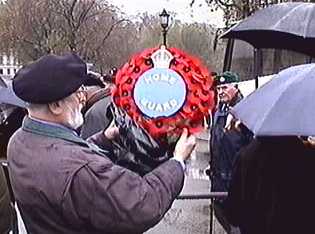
[
  {"x": 32, "y": 28},
  {"x": 97, "y": 31}
]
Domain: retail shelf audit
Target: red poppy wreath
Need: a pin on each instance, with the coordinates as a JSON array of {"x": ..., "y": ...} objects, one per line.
[{"x": 164, "y": 90}]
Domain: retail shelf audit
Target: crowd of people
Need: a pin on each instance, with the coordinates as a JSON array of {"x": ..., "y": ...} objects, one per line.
[{"x": 66, "y": 177}]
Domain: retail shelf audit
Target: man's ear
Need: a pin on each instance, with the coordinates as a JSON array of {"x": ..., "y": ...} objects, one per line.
[{"x": 56, "y": 107}]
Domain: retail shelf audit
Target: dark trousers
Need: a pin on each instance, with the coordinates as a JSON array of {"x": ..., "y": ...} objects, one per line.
[{"x": 219, "y": 214}]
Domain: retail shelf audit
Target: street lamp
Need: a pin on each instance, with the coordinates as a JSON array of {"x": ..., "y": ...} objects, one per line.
[{"x": 164, "y": 17}]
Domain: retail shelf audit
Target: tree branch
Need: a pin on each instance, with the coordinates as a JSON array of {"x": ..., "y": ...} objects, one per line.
[{"x": 110, "y": 31}]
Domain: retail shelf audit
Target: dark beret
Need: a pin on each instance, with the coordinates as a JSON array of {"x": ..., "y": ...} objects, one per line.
[{"x": 50, "y": 78}]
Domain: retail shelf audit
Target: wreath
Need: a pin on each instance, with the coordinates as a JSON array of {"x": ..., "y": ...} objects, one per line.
[{"x": 199, "y": 94}]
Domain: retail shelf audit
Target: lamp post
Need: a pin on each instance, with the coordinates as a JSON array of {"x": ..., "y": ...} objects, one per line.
[{"x": 164, "y": 17}]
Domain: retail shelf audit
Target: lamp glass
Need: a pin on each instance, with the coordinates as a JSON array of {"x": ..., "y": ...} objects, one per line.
[{"x": 164, "y": 17}]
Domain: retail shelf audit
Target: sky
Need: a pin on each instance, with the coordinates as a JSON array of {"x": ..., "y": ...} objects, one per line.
[{"x": 200, "y": 12}]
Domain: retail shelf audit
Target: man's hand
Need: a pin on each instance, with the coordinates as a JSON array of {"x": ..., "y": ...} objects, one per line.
[
  {"x": 112, "y": 131},
  {"x": 184, "y": 146}
]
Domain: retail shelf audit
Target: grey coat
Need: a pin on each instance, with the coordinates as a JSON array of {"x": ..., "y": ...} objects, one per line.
[
  {"x": 64, "y": 185},
  {"x": 95, "y": 118}
]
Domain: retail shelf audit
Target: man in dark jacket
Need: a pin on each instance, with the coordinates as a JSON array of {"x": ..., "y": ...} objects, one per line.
[
  {"x": 12, "y": 120},
  {"x": 226, "y": 139},
  {"x": 6, "y": 212},
  {"x": 272, "y": 188},
  {"x": 64, "y": 184}
]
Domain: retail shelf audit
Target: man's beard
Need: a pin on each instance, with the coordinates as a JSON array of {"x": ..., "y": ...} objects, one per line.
[{"x": 75, "y": 118}]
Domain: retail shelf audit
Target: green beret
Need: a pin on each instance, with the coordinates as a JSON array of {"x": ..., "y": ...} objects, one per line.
[{"x": 226, "y": 77}]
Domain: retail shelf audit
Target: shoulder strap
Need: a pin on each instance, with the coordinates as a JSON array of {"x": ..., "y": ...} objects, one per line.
[{"x": 96, "y": 96}]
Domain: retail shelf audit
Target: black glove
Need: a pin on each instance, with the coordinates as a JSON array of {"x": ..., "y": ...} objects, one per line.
[{"x": 138, "y": 151}]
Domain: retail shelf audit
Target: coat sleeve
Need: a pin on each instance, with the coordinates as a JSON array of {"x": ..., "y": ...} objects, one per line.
[{"x": 112, "y": 198}]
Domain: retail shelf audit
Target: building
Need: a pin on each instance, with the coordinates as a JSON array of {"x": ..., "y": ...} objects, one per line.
[{"x": 9, "y": 65}]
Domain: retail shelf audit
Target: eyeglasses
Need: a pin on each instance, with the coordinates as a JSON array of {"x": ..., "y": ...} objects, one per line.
[{"x": 81, "y": 94}]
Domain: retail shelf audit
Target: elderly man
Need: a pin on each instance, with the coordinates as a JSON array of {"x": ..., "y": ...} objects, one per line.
[
  {"x": 64, "y": 184},
  {"x": 225, "y": 140}
]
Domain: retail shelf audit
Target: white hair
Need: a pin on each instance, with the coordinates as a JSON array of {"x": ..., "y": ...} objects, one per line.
[{"x": 38, "y": 108}]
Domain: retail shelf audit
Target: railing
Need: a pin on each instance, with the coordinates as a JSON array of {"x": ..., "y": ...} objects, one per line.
[{"x": 210, "y": 195}]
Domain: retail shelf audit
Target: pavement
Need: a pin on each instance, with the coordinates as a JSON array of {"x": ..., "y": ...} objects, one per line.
[{"x": 191, "y": 216}]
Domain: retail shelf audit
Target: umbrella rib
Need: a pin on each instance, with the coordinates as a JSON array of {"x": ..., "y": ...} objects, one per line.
[
  {"x": 309, "y": 17},
  {"x": 284, "y": 18}
]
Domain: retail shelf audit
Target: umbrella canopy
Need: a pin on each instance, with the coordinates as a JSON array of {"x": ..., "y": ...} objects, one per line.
[
  {"x": 7, "y": 95},
  {"x": 2, "y": 83},
  {"x": 282, "y": 26},
  {"x": 282, "y": 107}
]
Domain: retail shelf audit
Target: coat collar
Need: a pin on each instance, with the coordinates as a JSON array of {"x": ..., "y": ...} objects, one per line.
[{"x": 40, "y": 128}]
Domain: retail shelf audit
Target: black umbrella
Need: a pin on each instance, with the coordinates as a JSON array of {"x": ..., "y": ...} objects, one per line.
[{"x": 282, "y": 26}]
